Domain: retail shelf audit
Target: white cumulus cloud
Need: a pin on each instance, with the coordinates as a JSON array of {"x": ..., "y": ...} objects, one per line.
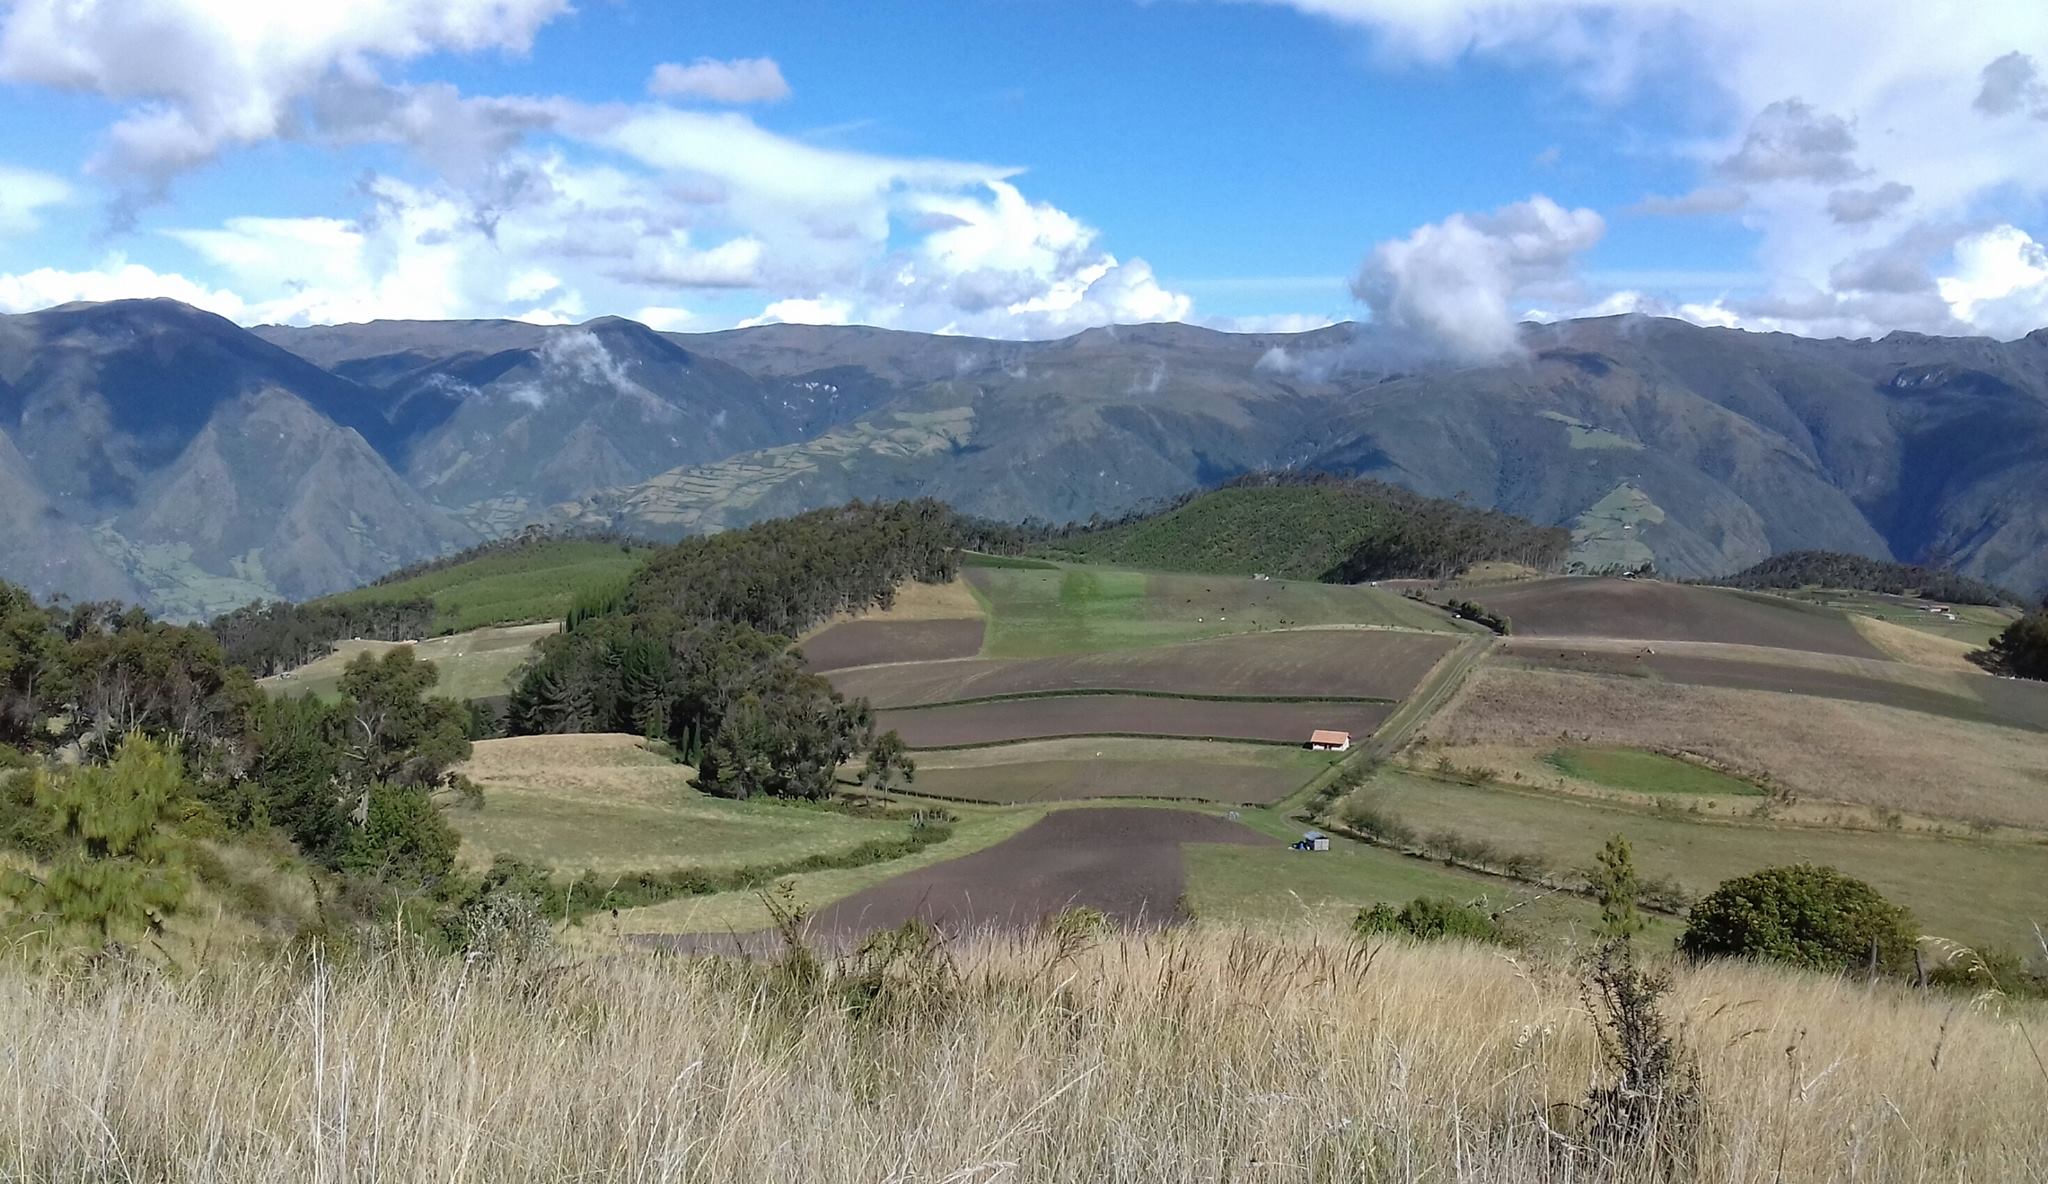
[
  {"x": 1459, "y": 285},
  {"x": 741, "y": 80},
  {"x": 201, "y": 75}
]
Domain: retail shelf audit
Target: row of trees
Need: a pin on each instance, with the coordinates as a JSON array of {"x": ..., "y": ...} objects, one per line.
[
  {"x": 1834, "y": 569},
  {"x": 696, "y": 649}
]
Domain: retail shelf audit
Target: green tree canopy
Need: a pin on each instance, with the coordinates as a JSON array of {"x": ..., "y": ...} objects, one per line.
[
  {"x": 119, "y": 873},
  {"x": 1805, "y": 915}
]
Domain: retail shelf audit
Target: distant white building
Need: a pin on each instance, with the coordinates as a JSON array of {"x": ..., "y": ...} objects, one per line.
[{"x": 1327, "y": 740}]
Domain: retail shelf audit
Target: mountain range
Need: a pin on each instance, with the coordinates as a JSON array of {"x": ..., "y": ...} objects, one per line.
[{"x": 156, "y": 453}]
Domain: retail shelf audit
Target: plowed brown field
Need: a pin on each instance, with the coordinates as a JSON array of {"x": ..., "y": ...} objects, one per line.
[{"x": 1126, "y": 715}]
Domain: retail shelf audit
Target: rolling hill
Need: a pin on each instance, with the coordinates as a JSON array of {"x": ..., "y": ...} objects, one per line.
[{"x": 153, "y": 452}]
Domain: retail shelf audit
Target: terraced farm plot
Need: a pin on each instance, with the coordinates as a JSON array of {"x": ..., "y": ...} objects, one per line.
[
  {"x": 1001, "y": 722},
  {"x": 1956, "y": 695},
  {"x": 1355, "y": 663},
  {"x": 863, "y": 643},
  {"x": 1969, "y": 890},
  {"x": 610, "y": 803},
  {"x": 1035, "y": 613},
  {"x": 1114, "y": 767},
  {"x": 1651, "y": 610},
  {"x": 1124, "y": 862},
  {"x": 1830, "y": 750},
  {"x": 479, "y": 664}
]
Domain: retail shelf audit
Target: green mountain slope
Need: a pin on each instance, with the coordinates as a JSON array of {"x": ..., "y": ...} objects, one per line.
[
  {"x": 535, "y": 581},
  {"x": 1327, "y": 530}
]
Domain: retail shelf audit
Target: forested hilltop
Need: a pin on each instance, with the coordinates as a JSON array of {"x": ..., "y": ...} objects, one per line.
[
  {"x": 697, "y": 647},
  {"x": 1860, "y": 573},
  {"x": 1313, "y": 526}
]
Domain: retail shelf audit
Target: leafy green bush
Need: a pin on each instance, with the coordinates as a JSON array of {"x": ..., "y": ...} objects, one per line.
[
  {"x": 1432, "y": 918},
  {"x": 1805, "y": 915}
]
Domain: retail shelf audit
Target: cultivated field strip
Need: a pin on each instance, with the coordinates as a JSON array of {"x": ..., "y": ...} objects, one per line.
[
  {"x": 953, "y": 725},
  {"x": 1978, "y": 697},
  {"x": 1299, "y": 664},
  {"x": 862, "y": 643},
  {"x": 1122, "y": 861},
  {"x": 1096, "y": 767},
  {"x": 1651, "y": 610}
]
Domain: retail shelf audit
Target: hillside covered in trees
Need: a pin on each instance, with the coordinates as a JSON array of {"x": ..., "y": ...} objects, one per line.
[
  {"x": 696, "y": 649},
  {"x": 1314, "y": 527},
  {"x": 1860, "y": 573}
]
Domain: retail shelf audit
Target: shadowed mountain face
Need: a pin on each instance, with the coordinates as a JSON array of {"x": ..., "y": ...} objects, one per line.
[{"x": 149, "y": 449}]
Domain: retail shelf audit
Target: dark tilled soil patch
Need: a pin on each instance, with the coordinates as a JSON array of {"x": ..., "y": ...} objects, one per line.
[
  {"x": 1125, "y": 862},
  {"x": 863, "y": 643},
  {"x": 1656, "y": 611},
  {"x": 1126, "y": 715},
  {"x": 2000, "y": 701},
  {"x": 1073, "y": 780},
  {"x": 1373, "y": 664}
]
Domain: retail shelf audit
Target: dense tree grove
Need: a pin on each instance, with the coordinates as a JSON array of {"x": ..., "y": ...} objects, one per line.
[
  {"x": 1833, "y": 569},
  {"x": 696, "y": 650},
  {"x": 266, "y": 639},
  {"x": 785, "y": 575},
  {"x": 165, "y": 733},
  {"x": 1390, "y": 532},
  {"x": 2023, "y": 648}
]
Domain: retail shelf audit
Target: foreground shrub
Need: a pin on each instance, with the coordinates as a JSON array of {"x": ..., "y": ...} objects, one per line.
[
  {"x": 1432, "y": 918},
  {"x": 1804, "y": 915}
]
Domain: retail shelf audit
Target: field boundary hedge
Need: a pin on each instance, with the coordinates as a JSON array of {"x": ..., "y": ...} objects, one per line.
[{"x": 592, "y": 892}]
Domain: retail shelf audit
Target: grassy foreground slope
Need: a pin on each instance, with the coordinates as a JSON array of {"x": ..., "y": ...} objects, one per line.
[
  {"x": 536, "y": 582},
  {"x": 1179, "y": 1057}
]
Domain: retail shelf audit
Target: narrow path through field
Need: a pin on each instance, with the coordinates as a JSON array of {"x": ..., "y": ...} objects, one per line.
[{"x": 1125, "y": 862}]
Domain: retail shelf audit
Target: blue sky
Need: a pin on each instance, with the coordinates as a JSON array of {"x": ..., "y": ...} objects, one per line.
[{"x": 1028, "y": 168}]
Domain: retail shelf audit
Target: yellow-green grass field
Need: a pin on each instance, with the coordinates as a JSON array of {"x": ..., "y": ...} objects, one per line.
[
  {"x": 1278, "y": 887},
  {"x": 1973, "y": 889},
  {"x": 479, "y": 664},
  {"x": 1034, "y": 612},
  {"x": 612, "y": 803},
  {"x": 537, "y": 582},
  {"x": 1974, "y": 624},
  {"x": 1632, "y": 770}
]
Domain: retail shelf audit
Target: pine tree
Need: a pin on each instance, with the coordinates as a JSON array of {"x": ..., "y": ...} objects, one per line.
[
  {"x": 1616, "y": 884},
  {"x": 121, "y": 874}
]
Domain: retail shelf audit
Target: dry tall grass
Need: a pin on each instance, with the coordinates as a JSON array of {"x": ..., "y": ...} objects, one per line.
[{"x": 1184, "y": 1057}]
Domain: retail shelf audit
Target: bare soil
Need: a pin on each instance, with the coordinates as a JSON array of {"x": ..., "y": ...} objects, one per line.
[
  {"x": 1122, "y": 861},
  {"x": 863, "y": 643},
  {"x": 1126, "y": 715},
  {"x": 1340, "y": 663},
  {"x": 1652, "y": 610}
]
